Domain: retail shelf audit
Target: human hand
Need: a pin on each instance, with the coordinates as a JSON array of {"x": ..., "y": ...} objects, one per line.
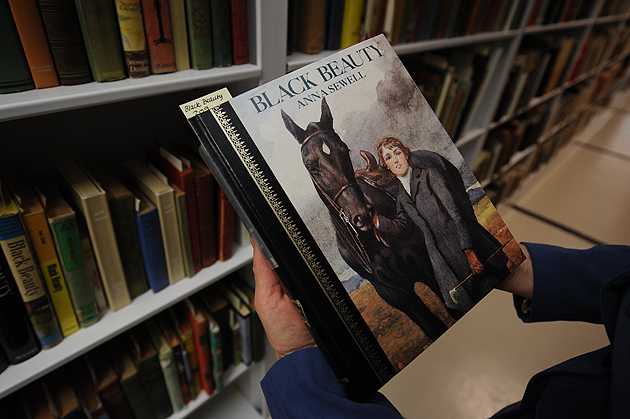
[
  {"x": 476, "y": 266},
  {"x": 283, "y": 324},
  {"x": 521, "y": 280}
]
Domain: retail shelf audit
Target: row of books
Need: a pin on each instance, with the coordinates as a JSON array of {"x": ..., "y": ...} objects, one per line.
[
  {"x": 545, "y": 12},
  {"x": 452, "y": 81},
  {"x": 49, "y": 43},
  {"x": 157, "y": 367},
  {"x": 96, "y": 240}
]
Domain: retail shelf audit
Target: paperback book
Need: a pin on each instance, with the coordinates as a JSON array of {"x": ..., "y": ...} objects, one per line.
[{"x": 362, "y": 204}]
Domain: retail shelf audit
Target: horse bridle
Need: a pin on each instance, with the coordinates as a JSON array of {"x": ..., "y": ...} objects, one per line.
[{"x": 357, "y": 244}]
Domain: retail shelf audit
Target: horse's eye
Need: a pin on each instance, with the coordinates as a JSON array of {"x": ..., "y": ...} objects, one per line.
[{"x": 325, "y": 148}]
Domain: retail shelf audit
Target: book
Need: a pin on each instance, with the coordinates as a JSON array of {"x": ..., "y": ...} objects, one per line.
[
  {"x": 121, "y": 202},
  {"x": 151, "y": 242},
  {"x": 311, "y": 23},
  {"x": 35, "y": 402},
  {"x": 36, "y": 226},
  {"x": 221, "y": 311},
  {"x": 183, "y": 229},
  {"x": 225, "y": 226},
  {"x": 243, "y": 316},
  {"x": 81, "y": 380},
  {"x": 178, "y": 318},
  {"x": 134, "y": 42},
  {"x": 106, "y": 382},
  {"x": 91, "y": 200},
  {"x": 215, "y": 347},
  {"x": 334, "y": 15},
  {"x": 163, "y": 197},
  {"x": 24, "y": 267},
  {"x": 246, "y": 294},
  {"x": 178, "y": 171},
  {"x": 128, "y": 378},
  {"x": 31, "y": 30},
  {"x": 179, "y": 352},
  {"x": 146, "y": 360},
  {"x": 194, "y": 315},
  {"x": 199, "y": 34},
  {"x": 15, "y": 75},
  {"x": 240, "y": 32},
  {"x": 99, "y": 26},
  {"x": 62, "y": 399},
  {"x": 167, "y": 363},
  {"x": 289, "y": 203},
  {"x": 180, "y": 34},
  {"x": 157, "y": 27},
  {"x": 351, "y": 23},
  {"x": 17, "y": 337},
  {"x": 221, "y": 27},
  {"x": 63, "y": 32},
  {"x": 91, "y": 266}
]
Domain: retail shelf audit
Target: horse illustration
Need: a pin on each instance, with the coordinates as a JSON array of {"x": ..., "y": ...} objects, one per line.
[{"x": 394, "y": 266}]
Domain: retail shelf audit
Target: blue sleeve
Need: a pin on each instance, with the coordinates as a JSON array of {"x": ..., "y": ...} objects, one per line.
[
  {"x": 302, "y": 385},
  {"x": 568, "y": 283}
]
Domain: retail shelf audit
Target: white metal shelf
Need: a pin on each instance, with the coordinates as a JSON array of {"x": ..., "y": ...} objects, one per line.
[
  {"x": 54, "y": 99},
  {"x": 114, "y": 323}
]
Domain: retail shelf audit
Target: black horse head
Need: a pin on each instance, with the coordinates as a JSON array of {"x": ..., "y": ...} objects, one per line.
[{"x": 327, "y": 159}]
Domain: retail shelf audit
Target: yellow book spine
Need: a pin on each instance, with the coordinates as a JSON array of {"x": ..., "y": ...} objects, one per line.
[
  {"x": 351, "y": 24},
  {"x": 44, "y": 248}
]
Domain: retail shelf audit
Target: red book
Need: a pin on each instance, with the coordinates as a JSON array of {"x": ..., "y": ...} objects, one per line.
[
  {"x": 178, "y": 171},
  {"x": 240, "y": 35},
  {"x": 199, "y": 324},
  {"x": 225, "y": 226},
  {"x": 157, "y": 26}
]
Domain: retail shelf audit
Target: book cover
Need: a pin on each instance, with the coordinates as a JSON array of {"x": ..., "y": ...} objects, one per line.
[
  {"x": 163, "y": 197},
  {"x": 63, "y": 31},
  {"x": 106, "y": 382},
  {"x": 31, "y": 30},
  {"x": 101, "y": 37},
  {"x": 121, "y": 204},
  {"x": 225, "y": 226},
  {"x": 351, "y": 23},
  {"x": 199, "y": 324},
  {"x": 24, "y": 267},
  {"x": 312, "y": 26},
  {"x": 145, "y": 357},
  {"x": 177, "y": 169},
  {"x": 179, "y": 352},
  {"x": 17, "y": 337},
  {"x": 183, "y": 229},
  {"x": 199, "y": 34},
  {"x": 180, "y": 34},
  {"x": 91, "y": 200},
  {"x": 36, "y": 226},
  {"x": 157, "y": 27},
  {"x": 177, "y": 315},
  {"x": 220, "y": 23},
  {"x": 15, "y": 75},
  {"x": 134, "y": 42},
  {"x": 332, "y": 29},
  {"x": 167, "y": 363},
  {"x": 240, "y": 32},
  {"x": 215, "y": 345},
  {"x": 311, "y": 217},
  {"x": 128, "y": 378},
  {"x": 151, "y": 242}
]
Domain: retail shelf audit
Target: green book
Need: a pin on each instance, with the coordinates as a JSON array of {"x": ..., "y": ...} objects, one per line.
[
  {"x": 184, "y": 230},
  {"x": 121, "y": 202},
  {"x": 98, "y": 21},
  {"x": 15, "y": 75},
  {"x": 129, "y": 378},
  {"x": 65, "y": 232},
  {"x": 215, "y": 348},
  {"x": 221, "y": 33},
  {"x": 199, "y": 34}
]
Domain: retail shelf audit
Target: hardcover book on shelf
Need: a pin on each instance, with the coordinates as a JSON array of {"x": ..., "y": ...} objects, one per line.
[
  {"x": 31, "y": 30},
  {"x": 179, "y": 352},
  {"x": 242, "y": 315},
  {"x": 35, "y": 223},
  {"x": 157, "y": 27},
  {"x": 183, "y": 229},
  {"x": 220, "y": 310},
  {"x": 134, "y": 42},
  {"x": 63, "y": 400},
  {"x": 25, "y": 270},
  {"x": 220, "y": 24},
  {"x": 177, "y": 315},
  {"x": 35, "y": 403},
  {"x": 199, "y": 34},
  {"x": 163, "y": 197},
  {"x": 63, "y": 31},
  {"x": 82, "y": 382},
  {"x": 246, "y": 293},
  {"x": 91, "y": 200},
  {"x": 192, "y": 309},
  {"x": 15, "y": 75},
  {"x": 215, "y": 345},
  {"x": 90, "y": 263},
  {"x": 101, "y": 36},
  {"x": 121, "y": 202},
  {"x": 299, "y": 165},
  {"x": 17, "y": 337},
  {"x": 240, "y": 32},
  {"x": 225, "y": 226},
  {"x": 311, "y": 23},
  {"x": 180, "y": 34}
]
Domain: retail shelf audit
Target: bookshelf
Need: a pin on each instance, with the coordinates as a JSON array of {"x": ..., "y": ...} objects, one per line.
[{"x": 113, "y": 120}]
